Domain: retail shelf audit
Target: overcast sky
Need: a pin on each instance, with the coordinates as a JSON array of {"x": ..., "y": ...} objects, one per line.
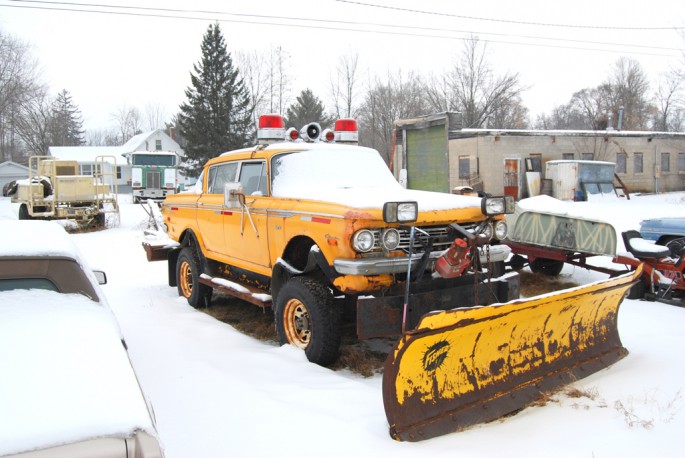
[{"x": 110, "y": 57}]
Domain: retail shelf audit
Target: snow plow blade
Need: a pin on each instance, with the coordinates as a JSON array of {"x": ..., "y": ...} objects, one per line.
[{"x": 467, "y": 366}]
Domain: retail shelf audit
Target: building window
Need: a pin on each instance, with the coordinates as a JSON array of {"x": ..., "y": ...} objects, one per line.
[
  {"x": 118, "y": 172},
  {"x": 86, "y": 169},
  {"x": 621, "y": 161},
  {"x": 681, "y": 162},
  {"x": 637, "y": 163},
  {"x": 567, "y": 156},
  {"x": 158, "y": 145},
  {"x": 665, "y": 162},
  {"x": 464, "y": 167},
  {"x": 587, "y": 156}
]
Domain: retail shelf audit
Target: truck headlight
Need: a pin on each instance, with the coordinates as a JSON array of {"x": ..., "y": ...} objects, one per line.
[
  {"x": 400, "y": 212},
  {"x": 390, "y": 238},
  {"x": 497, "y": 205},
  {"x": 363, "y": 240},
  {"x": 501, "y": 230}
]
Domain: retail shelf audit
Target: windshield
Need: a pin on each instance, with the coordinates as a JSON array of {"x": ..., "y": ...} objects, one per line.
[
  {"x": 307, "y": 174},
  {"x": 165, "y": 160}
]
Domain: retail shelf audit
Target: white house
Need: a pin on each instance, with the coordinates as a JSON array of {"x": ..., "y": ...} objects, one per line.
[
  {"x": 11, "y": 171},
  {"x": 156, "y": 140}
]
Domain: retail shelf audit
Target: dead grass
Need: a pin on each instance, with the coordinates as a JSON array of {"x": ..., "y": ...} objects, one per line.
[
  {"x": 362, "y": 357},
  {"x": 535, "y": 284}
]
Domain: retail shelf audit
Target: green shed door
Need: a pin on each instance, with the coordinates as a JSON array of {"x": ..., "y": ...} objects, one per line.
[{"x": 427, "y": 164}]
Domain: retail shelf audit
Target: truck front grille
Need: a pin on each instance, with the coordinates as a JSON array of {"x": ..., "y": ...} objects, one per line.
[{"x": 153, "y": 180}]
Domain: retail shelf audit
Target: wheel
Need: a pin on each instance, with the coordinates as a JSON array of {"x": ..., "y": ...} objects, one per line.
[
  {"x": 24, "y": 212},
  {"x": 550, "y": 267},
  {"x": 307, "y": 318},
  {"x": 187, "y": 278},
  {"x": 676, "y": 245},
  {"x": 637, "y": 291},
  {"x": 517, "y": 262}
]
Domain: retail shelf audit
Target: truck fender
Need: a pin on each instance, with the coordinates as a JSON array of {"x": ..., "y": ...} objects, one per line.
[{"x": 316, "y": 262}]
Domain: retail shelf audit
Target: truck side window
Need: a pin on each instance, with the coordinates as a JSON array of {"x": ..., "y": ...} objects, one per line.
[
  {"x": 219, "y": 175},
  {"x": 253, "y": 178}
]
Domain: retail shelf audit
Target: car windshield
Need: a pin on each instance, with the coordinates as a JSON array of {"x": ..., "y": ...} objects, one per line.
[
  {"x": 309, "y": 174},
  {"x": 9, "y": 284}
]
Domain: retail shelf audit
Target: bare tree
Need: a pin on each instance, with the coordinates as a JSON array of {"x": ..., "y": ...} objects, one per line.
[
  {"x": 345, "y": 86},
  {"x": 253, "y": 68},
  {"x": 279, "y": 80},
  {"x": 472, "y": 88},
  {"x": 670, "y": 103},
  {"x": 128, "y": 122},
  {"x": 399, "y": 98},
  {"x": 19, "y": 85},
  {"x": 102, "y": 137},
  {"x": 628, "y": 88},
  {"x": 33, "y": 125},
  {"x": 155, "y": 116}
]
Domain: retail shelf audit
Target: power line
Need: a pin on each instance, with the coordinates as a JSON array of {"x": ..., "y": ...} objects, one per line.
[
  {"x": 311, "y": 23},
  {"x": 507, "y": 21}
]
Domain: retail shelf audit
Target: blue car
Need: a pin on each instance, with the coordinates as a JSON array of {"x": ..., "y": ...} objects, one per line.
[{"x": 668, "y": 232}]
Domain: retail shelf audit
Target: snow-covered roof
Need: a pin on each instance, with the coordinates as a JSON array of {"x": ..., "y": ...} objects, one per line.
[
  {"x": 38, "y": 238},
  {"x": 70, "y": 377},
  {"x": 13, "y": 165},
  {"x": 85, "y": 153},
  {"x": 561, "y": 133}
]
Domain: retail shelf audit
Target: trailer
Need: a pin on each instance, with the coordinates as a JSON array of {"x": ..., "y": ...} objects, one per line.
[{"x": 55, "y": 190}]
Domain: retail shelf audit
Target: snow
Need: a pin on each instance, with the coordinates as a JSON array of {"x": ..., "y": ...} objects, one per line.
[
  {"x": 70, "y": 377},
  {"x": 217, "y": 392},
  {"x": 332, "y": 173}
]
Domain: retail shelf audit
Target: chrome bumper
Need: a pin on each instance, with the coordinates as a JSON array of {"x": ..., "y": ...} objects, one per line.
[{"x": 378, "y": 266}]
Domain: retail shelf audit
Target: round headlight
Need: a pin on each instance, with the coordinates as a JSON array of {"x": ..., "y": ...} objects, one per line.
[
  {"x": 500, "y": 230},
  {"x": 390, "y": 239},
  {"x": 363, "y": 240}
]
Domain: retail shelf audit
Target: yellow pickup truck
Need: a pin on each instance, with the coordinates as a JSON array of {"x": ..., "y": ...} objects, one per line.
[{"x": 317, "y": 225}]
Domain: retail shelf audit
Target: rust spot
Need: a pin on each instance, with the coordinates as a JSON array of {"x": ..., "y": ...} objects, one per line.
[{"x": 496, "y": 366}]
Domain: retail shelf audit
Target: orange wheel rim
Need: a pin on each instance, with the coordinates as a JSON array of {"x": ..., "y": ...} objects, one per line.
[
  {"x": 186, "y": 279},
  {"x": 297, "y": 324}
]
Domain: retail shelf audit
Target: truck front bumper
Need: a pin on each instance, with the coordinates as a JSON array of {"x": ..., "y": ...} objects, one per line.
[
  {"x": 379, "y": 266},
  {"x": 381, "y": 316}
]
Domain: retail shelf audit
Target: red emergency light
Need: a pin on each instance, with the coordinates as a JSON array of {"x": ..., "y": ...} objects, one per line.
[
  {"x": 346, "y": 131},
  {"x": 270, "y": 128}
]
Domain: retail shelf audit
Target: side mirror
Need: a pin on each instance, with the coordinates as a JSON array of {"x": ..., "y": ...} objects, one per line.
[
  {"x": 233, "y": 195},
  {"x": 100, "y": 276}
]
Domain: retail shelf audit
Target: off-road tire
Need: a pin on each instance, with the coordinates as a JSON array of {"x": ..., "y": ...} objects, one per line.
[
  {"x": 637, "y": 291},
  {"x": 549, "y": 267},
  {"x": 188, "y": 272},
  {"x": 676, "y": 245},
  {"x": 306, "y": 317},
  {"x": 24, "y": 212}
]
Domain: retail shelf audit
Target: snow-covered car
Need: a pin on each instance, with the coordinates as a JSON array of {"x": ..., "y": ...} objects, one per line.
[
  {"x": 67, "y": 387},
  {"x": 669, "y": 232}
]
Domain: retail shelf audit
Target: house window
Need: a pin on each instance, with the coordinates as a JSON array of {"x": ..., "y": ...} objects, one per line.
[
  {"x": 681, "y": 162},
  {"x": 118, "y": 172},
  {"x": 158, "y": 145},
  {"x": 665, "y": 162},
  {"x": 567, "y": 156},
  {"x": 637, "y": 163},
  {"x": 621, "y": 161},
  {"x": 464, "y": 167},
  {"x": 587, "y": 156},
  {"x": 86, "y": 169}
]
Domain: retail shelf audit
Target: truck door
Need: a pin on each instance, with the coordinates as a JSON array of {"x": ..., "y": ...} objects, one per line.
[
  {"x": 210, "y": 207},
  {"x": 245, "y": 230}
]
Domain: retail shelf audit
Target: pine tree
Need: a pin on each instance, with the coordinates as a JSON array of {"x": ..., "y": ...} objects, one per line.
[
  {"x": 66, "y": 124},
  {"x": 308, "y": 108},
  {"x": 216, "y": 116}
]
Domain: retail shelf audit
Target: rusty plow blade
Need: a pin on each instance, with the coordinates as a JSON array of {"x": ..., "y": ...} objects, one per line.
[{"x": 467, "y": 366}]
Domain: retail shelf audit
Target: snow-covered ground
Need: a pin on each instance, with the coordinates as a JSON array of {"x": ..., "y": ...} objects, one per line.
[{"x": 217, "y": 392}]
